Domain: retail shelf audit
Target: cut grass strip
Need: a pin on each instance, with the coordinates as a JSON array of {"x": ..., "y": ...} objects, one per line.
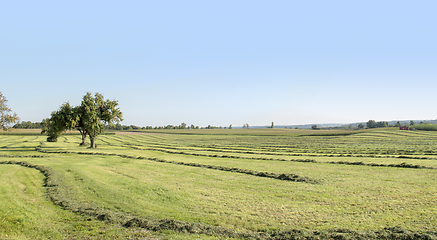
[{"x": 279, "y": 176}]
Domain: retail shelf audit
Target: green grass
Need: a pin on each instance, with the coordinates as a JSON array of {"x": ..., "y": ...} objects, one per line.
[
  {"x": 124, "y": 176},
  {"x": 26, "y": 213}
]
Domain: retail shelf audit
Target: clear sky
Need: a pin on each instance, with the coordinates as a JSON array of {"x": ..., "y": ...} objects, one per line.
[{"x": 223, "y": 62}]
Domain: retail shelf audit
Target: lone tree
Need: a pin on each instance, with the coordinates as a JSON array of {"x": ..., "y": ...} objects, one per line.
[
  {"x": 90, "y": 118},
  {"x": 6, "y": 117}
]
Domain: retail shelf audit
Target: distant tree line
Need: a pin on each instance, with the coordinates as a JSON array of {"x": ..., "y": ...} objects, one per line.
[
  {"x": 120, "y": 127},
  {"x": 425, "y": 126},
  {"x": 28, "y": 125}
]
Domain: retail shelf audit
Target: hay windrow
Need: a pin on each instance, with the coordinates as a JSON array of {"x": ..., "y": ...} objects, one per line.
[
  {"x": 279, "y": 176},
  {"x": 180, "y": 150},
  {"x": 255, "y": 173},
  {"x": 24, "y": 156},
  {"x": 59, "y": 195},
  {"x": 400, "y": 165}
]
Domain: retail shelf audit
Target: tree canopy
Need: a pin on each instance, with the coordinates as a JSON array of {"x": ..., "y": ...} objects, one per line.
[
  {"x": 7, "y": 118},
  {"x": 315, "y": 127},
  {"x": 374, "y": 124},
  {"x": 90, "y": 118}
]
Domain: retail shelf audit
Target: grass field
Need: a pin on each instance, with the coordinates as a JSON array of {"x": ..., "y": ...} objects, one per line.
[{"x": 205, "y": 184}]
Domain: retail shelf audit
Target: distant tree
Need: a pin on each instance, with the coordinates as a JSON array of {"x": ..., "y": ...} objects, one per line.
[
  {"x": 7, "y": 118},
  {"x": 314, "y": 127},
  {"x": 382, "y": 124},
  {"x": 372, "y": 124},
  {"x": 230, "y": 126},
  {"x": 411, "y": 122},
  {"x": 272, "y": 125},
  {"x": 246, "y": 125},
  {"x": 360, "y": 125},
  {"x": 398, "y": 124},
  {"x": 183, "y": 125}
]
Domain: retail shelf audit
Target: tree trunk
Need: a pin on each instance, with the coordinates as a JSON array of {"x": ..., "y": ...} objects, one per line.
[
  {"x": 93, "y": 142},
  {"x": 83, "y": 138}
]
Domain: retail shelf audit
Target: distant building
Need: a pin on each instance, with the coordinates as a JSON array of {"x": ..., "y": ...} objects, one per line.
[{"x": 404, "y": 128}]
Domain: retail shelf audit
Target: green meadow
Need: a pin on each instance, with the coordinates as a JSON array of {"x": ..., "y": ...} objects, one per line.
[{"x": 221, "y": 184}]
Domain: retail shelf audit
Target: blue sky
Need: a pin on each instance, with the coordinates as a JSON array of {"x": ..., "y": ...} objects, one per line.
[{"x": 223, "y": 62}]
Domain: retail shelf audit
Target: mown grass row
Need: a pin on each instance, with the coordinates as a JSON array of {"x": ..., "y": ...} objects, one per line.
[
  {"x": 59, "y": 195},
  {"x": 390, "y": 153},
  {"x": 279, "y": 176},
  {"x": 23, "y": 156},
  {"x": 166, "y": 150},
  {"x": 280, "y": 154},
  {"x": 400, "y": 165}
]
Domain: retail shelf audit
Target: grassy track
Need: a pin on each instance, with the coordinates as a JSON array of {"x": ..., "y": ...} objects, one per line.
[{"x": 186, "y": 177}]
